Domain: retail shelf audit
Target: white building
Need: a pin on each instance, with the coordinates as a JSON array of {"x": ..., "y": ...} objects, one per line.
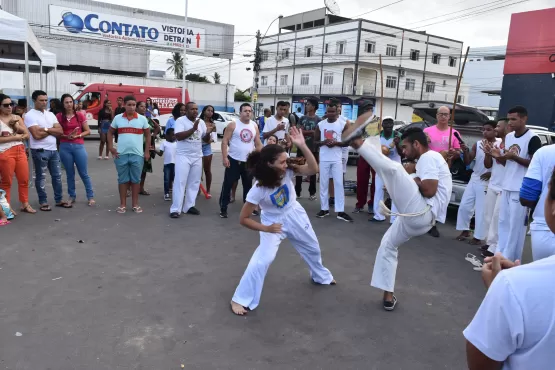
[
  {"x": 323, "y": 55},
  {"x": 484, "y": 74}
]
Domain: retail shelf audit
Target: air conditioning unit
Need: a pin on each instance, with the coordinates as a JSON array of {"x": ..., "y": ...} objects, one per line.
[{"x": 402, "y": 72}]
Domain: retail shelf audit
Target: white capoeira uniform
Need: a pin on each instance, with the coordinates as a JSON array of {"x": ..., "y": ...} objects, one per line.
[
  {"x": 279, "y": 205},
  {"x": 406, "y": 196},
  {"x": 493, "y": 200},
  {"x": 331, "y": 165},
  {"x": 379, "y": 186},
  {"x": 539, "y": 174},
  {"x": 512, "y": 215},
  {"x": 188, "y": 165},
  {"x": 473, "y": 201}
]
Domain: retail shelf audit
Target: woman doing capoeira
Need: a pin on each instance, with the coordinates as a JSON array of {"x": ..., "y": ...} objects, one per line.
[{"x": 282, "y": 217}]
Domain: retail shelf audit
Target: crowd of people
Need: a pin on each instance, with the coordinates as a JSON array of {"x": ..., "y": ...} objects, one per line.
[{"x": 511, "y": 178}]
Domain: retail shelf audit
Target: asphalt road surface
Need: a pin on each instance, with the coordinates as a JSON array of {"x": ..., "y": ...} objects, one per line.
[{"x": 143, "y": 291}]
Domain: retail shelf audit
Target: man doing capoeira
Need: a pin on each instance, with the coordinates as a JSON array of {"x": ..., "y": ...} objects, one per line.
[{"x": 421, "y": 195}]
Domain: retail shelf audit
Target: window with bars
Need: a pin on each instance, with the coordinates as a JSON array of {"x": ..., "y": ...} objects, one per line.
[
  {"x": 370, "y": 47},
  {"x": 264, "y": 81},
  {"x": 410, "y": 83},
  {"x": 414, "y": 54},
  {"x": 285, "y": 54},
  {"x": 328, "y": 78},
  {"x": 283, "y": 80},
  {"x": 436, "y": 58},
  {"x": 391, "y": 82},
  {"x": 341, "y": 46},
  {"x": 264, "y": 55},
  {"x": 452, "y": 62},
  {"x": 460, "y": 99},
  {"x": 391, "y": 51},
  {"x": 308, "y": 51},
  {"x": 305, "y": 79},
  {"x": 430, "y": 87}
]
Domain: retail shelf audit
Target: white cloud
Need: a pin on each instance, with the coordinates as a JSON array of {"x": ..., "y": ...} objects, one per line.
[{"x": 489, "y": 28}]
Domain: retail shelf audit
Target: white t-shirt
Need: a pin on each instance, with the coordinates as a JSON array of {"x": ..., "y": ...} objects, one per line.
[
  {"x": 479, "y": 165},
  {"x": 344, "y": 150},
  {"x": 541, "y": 168},
  {"x": 393, "y": 155},
  {"x": 514, "y": 172},
  {"x": 44, "y": 119},
  {"x": 272, "y": 123},
  {"x": 432, "y": 166},
  {"x": 515, "y": 322},
  {"x": 192, "y": 146},
  {"x": 497, "y": 171},
  {"x": 169, "y": 151},
  {"x": 274, "y": 202},
  {"x": 331, "y": 131}
]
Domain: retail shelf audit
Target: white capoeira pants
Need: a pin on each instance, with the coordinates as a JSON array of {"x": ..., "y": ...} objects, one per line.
[
  {"x": 186, "y": 183},
  {"x": 297, "y": 228},
  {"x": 407, "y": 198},
  {"x": 379, "y": 196},
  {"x": 543, "y": 243},
  {"x": 332, "y": 170},
  {"x": 512, "y": 225},
  {"x": 491, "y": 218},
  {"x": 473, "y": 203}
]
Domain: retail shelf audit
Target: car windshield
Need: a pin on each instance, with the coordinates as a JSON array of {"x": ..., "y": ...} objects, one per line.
[{"x": 76, "y": 94}]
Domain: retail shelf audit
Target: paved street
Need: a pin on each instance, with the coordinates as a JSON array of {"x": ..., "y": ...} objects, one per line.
[{"x": 149, "y": 292}]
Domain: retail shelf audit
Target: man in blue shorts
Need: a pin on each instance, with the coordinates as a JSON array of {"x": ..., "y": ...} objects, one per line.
[{"x": 129, "y": 155}]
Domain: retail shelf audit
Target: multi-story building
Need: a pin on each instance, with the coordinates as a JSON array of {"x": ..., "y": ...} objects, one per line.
[{"x": 324, "y": 55}]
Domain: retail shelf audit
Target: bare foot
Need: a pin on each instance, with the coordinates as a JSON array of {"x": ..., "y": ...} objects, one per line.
[{"x": 238, "y": 309}]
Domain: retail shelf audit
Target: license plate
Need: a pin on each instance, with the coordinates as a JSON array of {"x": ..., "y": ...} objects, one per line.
[{"x": 453, "y": 197}]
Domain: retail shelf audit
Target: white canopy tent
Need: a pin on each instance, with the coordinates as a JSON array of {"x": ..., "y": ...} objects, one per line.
[
  {"x": 18, "y": 43},
  {"x": 48, "y": 65}
]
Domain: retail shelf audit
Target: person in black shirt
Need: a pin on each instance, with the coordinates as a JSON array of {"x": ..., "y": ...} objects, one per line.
[{"x": 307, "y": 124}]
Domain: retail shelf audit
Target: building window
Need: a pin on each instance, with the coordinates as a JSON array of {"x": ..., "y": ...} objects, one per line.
[
  {"x": 430, "y": 87},
  {"x": 391, "y": 82},
  {"x": 370, "y": 47},
  {"x": 264, "y": 55},
  {"x": 328, "y": 78},
  {"x": 305, "y": 79},
  {"x": 285, "y": 54},
  {"x": 414, "y": 54},
  {"x": 391, "y": 51},
  {"x": 410, "y": 83},
  {"x": 436, "y": 58},
  {"x": 452, "y": 62},
  {"x": 308, "y": 51},
  {"x": 283, "y": 80},
  {"x": 326, "y": 47},
  {"x": 341, "y": 46},
  {"x": 460, "y": 99},
  {"x": 264, "y": 81}
]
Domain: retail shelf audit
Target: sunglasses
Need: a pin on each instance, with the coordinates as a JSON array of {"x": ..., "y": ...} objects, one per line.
[{"x": 8, "y": 105}]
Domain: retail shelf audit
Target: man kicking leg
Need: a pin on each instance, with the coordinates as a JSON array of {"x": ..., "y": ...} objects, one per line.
[{"x": 421, "y": 195}]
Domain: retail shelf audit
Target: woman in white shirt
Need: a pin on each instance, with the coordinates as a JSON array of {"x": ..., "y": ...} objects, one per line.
[
  {"x": 282, "y": 217},
  {"x": 13, "y": 159}
]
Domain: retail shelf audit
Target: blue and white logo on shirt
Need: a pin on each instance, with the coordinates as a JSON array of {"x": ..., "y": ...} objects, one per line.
[{"x": 280, "y": 197}]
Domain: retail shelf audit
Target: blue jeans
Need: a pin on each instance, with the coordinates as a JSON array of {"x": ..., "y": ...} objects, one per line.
[
  {"x": 169, "y": 175},
  {"x": 76, "y": 154},
  {"x": 43, "y": 160}
]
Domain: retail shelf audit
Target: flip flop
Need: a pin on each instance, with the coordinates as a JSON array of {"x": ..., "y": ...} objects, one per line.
[
  {"x": 473, "y": 260},
  {"x": 91, "y": 203},
  {"x": 45, "y": 208},
  {"x": 121, "y": 210},
  {"x": 64, "y": 204},
  {"x": 4, "y": 223},
  {"x": 28, "y": 209},
  {"x": 137, "y": 209}
]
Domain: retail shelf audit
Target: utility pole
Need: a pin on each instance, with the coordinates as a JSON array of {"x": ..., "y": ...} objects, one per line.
[
  {"x": 184, "y": 88},
  {"x": 256, "y": 70}
]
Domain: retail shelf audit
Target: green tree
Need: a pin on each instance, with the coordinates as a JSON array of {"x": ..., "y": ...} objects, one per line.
[
  {"x": 176, "y": 65},
  {"x": 241, "y": 95},
  {"x": 217, "y": 78},
  {"x": 196, "y": 77}
]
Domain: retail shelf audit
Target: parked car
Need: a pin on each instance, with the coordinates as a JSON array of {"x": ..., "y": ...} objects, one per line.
[{"x": 222, "y": 119}]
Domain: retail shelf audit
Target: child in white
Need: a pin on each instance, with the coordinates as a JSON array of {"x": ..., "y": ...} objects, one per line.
[
  {"x": 167, "y": 149},
  {"x": 282, "y": 217}
]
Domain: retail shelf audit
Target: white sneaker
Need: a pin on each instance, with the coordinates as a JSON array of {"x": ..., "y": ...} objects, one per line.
[{"x": 167, "y": 197}]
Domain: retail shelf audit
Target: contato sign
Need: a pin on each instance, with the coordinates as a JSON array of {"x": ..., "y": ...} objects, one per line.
[{"x": 107, "y": 27}]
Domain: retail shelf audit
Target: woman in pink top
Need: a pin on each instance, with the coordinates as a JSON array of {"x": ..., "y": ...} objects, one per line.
[{"x": 72, "y": 147}]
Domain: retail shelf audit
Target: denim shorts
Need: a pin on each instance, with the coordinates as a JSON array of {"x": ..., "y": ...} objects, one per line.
[
  {"x": 129, "y": 167},
  {"x": 105, "y": 126},
  {"x": 206, "y": 150}
]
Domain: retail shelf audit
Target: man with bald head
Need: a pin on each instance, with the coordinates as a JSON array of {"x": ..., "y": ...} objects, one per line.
[{"x": 438, "y": 139}]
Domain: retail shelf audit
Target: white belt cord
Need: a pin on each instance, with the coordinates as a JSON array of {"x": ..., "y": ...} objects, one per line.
[{"x": 386, "y": 211}]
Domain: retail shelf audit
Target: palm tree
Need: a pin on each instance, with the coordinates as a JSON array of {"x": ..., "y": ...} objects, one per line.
[
  {"x": 217, "y": 78},
  {"x": 176, "y": 65}
]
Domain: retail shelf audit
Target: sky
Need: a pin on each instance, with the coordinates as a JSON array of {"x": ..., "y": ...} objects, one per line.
[{"x": 475, "y": 22}]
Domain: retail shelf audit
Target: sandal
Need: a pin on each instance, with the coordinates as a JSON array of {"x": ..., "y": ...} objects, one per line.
[
  {"x": 121, "y": 210},
  {"x": 4, "y": 222},
  {"x": 28, "y": 209},
  {"x": 473, "y": 260},
  {"x": 137, "y": 209},
  {"x": 64, "y": 204},
  {"x": 474, "y": 242},
  {"x": 144, "y": 192},
  {"x": 92, "y": 203},
  {"x": 45, "y": 208}
]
